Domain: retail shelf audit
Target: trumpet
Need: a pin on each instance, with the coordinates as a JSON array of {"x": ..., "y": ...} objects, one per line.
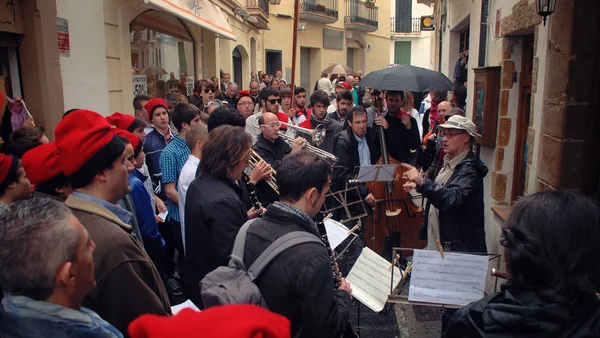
[
  {"x": 271, "y": 181},
  {"x": 313, "y": 149},
  {"x": 317, "y": 134}
]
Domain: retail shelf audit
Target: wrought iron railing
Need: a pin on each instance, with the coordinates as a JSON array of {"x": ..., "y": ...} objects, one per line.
[
  {"x": 358, "y": 11},
  {"x": 324, "y": 7},
  {"x": 405, "y": 25},
  {"x": 262, "y": 4}
]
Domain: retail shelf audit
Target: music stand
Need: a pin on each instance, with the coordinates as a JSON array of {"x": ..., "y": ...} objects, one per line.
[
  {"x": 376, "y": 173},
  {"x": 341, "y": 196}
]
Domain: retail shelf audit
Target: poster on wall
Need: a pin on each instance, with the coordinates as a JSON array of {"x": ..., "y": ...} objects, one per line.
[
  {"x": 62, "y": 31},
  {"x": 497, "y": 26},
  {"x": 189, "y": 85},
  {"x": 140, "y": 86}
]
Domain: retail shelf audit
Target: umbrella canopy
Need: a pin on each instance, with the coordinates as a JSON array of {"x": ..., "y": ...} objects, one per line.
[
  {"x": 338, "y": 69},
  {"x": 406, "y": 77},
  {"x": 153, "y": 71}
]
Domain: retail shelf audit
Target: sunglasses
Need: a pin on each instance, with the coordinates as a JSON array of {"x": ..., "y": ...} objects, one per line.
[
  {"x": 206, "y": 90},
  {"x": 275, "y": 100}
]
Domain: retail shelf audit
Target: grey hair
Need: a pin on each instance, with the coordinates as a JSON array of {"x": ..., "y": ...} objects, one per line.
[
  {"x": 232, "y": 84},
  {"x": 36, "y": 238}
]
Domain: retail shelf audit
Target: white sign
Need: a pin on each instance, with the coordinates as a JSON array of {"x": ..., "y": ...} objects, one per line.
[
  {"x": 370, "y": 279},
  {"x": 189, "y": 85},
  {"x": 62, "y": 31},
  {"x": 455, "y": 279},
  {"x": 140, "y": 86}
]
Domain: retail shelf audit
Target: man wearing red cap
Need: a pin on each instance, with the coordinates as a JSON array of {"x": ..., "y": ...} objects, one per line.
[
  {"x": 156, "y": 141},
  {"x": 128, "y": 123},
  {"x": 14, "y": 184},
  {"x": 94, "y": 160},
  {"x": 245, "y": 105},
  {"x": 42, "y": 165}
]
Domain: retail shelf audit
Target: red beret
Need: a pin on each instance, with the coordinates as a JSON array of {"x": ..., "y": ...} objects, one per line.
[
  {"x": 5, "y": 165},
  {"x": 243, "y": 93},
  {"x": 79, "y": 136},
  {"x": 153, "y": 104},
  {"x": 133, "y": 139},
  {"x": 347, "y": 85},
  {"x": 249, "y": 321},
  {"x": 124, "y": 121},
  {"x": 42, "y": 163}
]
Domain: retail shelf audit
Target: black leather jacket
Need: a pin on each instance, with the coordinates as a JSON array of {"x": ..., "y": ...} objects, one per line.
[{"x": 460, "y": 203}]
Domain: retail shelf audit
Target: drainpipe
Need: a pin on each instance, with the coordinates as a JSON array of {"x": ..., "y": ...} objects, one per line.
[{"x": 483, "y": 29}]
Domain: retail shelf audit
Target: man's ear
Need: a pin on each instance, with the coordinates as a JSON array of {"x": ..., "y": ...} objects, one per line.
[
  {"x": 185, "y": 126},
  {"x": 64, "y": 274},
  {"x": 311, "y": 195}
]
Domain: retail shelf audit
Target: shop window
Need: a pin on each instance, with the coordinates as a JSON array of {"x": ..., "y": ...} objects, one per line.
[{"x": 162, "y": 55}]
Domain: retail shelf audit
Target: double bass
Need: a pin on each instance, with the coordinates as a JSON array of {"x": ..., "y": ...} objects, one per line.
[{"x": 394, "y": 210}]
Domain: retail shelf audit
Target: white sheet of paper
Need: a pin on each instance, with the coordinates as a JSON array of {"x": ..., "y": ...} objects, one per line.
[
  {"x": 370, "y": 279},
  {"x": 185, "y": 305},
  {"x": 369, "y": 173},
  {"x": 336, "y": 232},
  {"x": 163, "y": 215},
  {"x": 456, "y": 279}
]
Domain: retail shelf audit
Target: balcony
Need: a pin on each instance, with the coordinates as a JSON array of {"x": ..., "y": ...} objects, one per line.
[
  {"x": 323, "y": 11},
  {"x": 405, "y": 26},
  {"x": 259, "y": 9},
  {"x": 360, "y": 17}
]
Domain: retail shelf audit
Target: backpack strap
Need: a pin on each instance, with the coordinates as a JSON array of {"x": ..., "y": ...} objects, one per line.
[
  {"x": 280, "y": 245},
  {"x": 240, "y": 240}
]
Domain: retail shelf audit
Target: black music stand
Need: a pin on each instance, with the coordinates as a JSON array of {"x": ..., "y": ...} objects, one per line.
[{"x": 376, "y": 173}]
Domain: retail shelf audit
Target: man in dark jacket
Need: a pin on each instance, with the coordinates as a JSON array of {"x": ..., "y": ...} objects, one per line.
[
  {"x": 344, "y": 104},
  {"x": 271, "y": 148},
  {"x": 454, "y": 212},
  {"x": 214, "y": 209},
  {"x": 298, "y": 283},
  {"x": 355, "y": 147},
  {"x": 320, "y": 101},
  {"x": 402, "y": 137}
]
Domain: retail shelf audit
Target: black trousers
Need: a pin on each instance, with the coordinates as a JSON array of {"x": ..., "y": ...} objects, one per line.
[{"x": 174, "y": 227}]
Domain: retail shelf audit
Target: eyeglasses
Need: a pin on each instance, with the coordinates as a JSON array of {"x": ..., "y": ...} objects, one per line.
[
  {"x": 247, "y": 103},
  {"x": 206, "y": 90},
  {"x": 445, "y": 133},
  {"x": 273, "y": 101},
  {"x": 272, "y": 125}
]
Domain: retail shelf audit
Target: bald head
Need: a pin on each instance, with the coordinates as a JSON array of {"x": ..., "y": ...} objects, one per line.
[
  {"x": 267, "y": 118},
  {"x": 444, "y": 108}
]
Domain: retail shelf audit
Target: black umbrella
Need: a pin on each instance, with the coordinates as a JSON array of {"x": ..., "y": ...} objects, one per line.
[{"x": 406, "y": 77}]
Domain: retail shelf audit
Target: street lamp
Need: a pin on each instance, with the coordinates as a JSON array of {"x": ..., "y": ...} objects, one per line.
[
  {"x": 275, "y": 2},
  {"x": 545, "y": 8}
]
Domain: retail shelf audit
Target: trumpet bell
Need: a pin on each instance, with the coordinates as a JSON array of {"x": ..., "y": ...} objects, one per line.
[{"x": 318, "y": 135}]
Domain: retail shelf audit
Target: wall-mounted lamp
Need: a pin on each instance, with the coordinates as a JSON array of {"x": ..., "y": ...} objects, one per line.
[{"x": 545, "y": 8}]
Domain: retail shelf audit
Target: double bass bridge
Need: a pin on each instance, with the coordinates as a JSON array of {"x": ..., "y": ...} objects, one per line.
[{"x": 393, "y": 213}]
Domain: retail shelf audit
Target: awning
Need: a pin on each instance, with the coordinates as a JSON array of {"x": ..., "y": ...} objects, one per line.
[{"x": 200, "y": 12}]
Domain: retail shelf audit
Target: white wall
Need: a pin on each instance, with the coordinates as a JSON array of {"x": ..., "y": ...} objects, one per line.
[
  {"x": 85, "y": 73},
  {"x": 421, "y": 54}
]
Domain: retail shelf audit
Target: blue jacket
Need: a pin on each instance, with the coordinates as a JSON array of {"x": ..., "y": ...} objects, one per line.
[
  {"x": 24, "y": 317},
  {"x": 153, "y": 147},
  {"x": 145, "y": 213}
]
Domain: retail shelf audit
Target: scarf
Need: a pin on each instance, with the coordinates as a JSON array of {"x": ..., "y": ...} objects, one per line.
[
  {"x": 296, "y": 213},
  {"x": 326, "y": 122},
  {"x": 434, "y": 115}
]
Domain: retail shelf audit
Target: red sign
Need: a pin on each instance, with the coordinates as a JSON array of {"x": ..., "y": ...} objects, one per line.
[{"x": 62, "y": 31}]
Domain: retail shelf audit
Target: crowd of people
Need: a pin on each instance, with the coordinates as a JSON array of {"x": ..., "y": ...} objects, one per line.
[{"x": 124, "y": 215}]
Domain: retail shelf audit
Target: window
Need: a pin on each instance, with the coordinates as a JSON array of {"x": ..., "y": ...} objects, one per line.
[
  {"x": 162, "y": 54},
  {"x": 464, "y": 41}
]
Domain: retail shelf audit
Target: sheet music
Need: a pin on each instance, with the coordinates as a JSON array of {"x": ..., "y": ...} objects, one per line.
[
  {"x": 382, "y": 172},
  {"x": 370, "y": 279},
  {"x": 456, "y": 279},
  {"x": 185, "y": 305},
  {"x": 336, "y": 232}
]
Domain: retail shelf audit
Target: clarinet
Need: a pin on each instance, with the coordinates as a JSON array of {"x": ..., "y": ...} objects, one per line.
[
  {"x": 252, "y": 194},
  {"x": 337, "y": 275}
]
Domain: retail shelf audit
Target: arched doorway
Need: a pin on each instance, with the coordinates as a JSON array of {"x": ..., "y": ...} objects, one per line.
[{"x": 237, "y": 66}]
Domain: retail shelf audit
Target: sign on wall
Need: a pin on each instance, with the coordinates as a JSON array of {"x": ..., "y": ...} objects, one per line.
[
  {"x": 140, "y": 86},
  {"x": 62, "y": 31},
  {"x": 427, "y": 23},
  {"x": 333, "y": 39},
  {"x": 497, "y": 26},
  {"x": 189, "y": 85}
]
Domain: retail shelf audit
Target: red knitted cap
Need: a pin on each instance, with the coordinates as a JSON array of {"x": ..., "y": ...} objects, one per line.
[
  {"x": 5, "y": 164},
  {"x": 133, "y": 139},
  {"x": 42, "y": 163},
  {"x": 228, "y": 321},
  {"x": 243, "y": 93},
  {"x": 153, "y": 104},
  {"x": 79, "y": 136},
  {"x": 121, "y": 121}
]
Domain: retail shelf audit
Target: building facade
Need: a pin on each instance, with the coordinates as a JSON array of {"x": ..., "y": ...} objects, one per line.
[
  {"x": 348, "y": 32},
  {"x": 531, "y": 91},
  {"x": 410, "y": 45}
]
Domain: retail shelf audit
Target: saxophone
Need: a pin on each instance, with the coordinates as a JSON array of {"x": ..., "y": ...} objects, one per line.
[
  {"x": 252, "y": 194},
  {"x": 337, "y": 275}
]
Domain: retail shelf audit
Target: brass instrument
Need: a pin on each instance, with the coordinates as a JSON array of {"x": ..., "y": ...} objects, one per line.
[
  {"x": 271, "y": 181},
  {"x": 320, "y": 152},
  {"x": 317, "y": 134}
]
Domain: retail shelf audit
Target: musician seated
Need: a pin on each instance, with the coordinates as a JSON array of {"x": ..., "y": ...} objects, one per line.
[
  {"x": 356, "y": 146},
  {"x": 214, "y": 209},
  {"x": 320, "y": 101},
  {"x": 551, "y": 253},
  {"x": 298, "y": 283},
  {"x": 272, "y": 148}
]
